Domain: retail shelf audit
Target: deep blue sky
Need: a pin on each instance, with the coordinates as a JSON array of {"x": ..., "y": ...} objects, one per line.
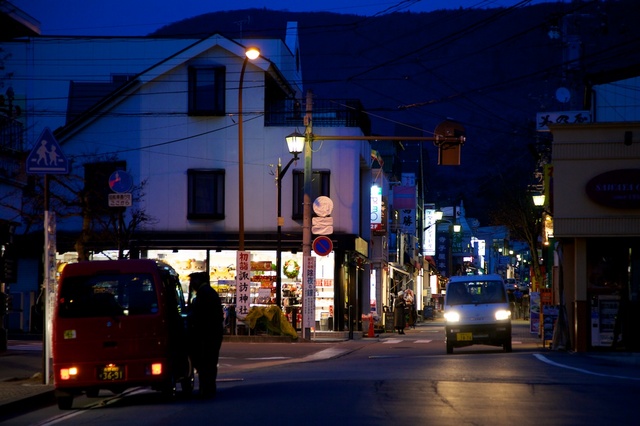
[{"x": 140, "y": 17}]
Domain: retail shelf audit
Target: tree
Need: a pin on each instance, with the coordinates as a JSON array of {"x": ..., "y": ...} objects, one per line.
[
  {"x": 84, "y": 197},
  {"x": 516, "y": 211}
]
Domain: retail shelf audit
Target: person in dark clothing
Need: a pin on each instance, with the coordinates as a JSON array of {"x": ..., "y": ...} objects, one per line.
[
  {"x": 206, "y": 318},
  {"x": 399, "y": 319}
]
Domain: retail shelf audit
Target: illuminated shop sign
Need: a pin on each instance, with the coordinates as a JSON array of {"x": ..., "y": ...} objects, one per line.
[
  {"x": 617, "y": 188},
  {"x": 376, "y": 208}
]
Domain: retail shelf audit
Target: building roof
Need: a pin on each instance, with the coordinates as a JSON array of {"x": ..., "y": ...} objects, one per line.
[{"x": 16, "y": 23}]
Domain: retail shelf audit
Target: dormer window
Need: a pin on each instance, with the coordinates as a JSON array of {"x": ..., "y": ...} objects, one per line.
[{"x": 206, "y": 90}]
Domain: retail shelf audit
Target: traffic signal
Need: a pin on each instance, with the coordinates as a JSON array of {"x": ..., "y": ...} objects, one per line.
[{"x": 449, "y": 152}]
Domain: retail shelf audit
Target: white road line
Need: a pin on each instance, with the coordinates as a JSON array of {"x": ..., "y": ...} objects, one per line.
[
  {"x": 325, "y": 354},
  {"x": 546, "y": 360},
  {"x": 269, "y": 358}
]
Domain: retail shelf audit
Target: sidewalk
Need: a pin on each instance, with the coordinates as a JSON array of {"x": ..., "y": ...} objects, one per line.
[{"x": 21, "y": 382}]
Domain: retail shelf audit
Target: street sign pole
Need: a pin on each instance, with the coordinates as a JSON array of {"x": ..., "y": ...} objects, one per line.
[{"x": 47, "y": 158}]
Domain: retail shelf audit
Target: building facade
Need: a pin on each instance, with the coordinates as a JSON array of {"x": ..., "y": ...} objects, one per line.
[
  {"x": 595, "y": 203},
  {"x": 151, "y": 131}
]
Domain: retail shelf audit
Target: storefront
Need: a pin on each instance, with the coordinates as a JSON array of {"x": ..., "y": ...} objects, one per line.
[
  {"x": 596, "y": 211},
  {"x": 221, "y": 266}
]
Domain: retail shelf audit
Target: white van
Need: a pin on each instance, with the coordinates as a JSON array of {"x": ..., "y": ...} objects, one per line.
[{"x": 476, "y": 312}]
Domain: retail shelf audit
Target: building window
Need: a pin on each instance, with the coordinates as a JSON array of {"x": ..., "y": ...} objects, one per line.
[
  {"x": 206, "y": 194},
  {"x": 320, "y": 180},
  {"x": 206, "y": 90}
]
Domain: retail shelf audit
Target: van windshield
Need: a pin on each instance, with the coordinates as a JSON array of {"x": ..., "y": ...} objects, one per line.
[
  {"x": 107, "y": 295},
  {"x": 475, "y": 292}
]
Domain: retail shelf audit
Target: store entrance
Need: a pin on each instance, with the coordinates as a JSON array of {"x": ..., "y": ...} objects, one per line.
[{"x": 613, "y": 290}]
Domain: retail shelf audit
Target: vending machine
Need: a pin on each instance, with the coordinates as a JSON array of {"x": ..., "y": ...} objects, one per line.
[{"x": 604, "y": 309}]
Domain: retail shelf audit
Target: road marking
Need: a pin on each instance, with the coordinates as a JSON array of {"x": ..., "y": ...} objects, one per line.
[
  {"x": 546, "y": 360},
  {"x": 269, "y": 358},
  {"x": 325, "y": 354}
]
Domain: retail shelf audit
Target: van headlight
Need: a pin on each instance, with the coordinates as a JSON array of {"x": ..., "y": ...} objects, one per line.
[
  {"x": 452, "y": 316},
  {"x": 502, "y": 314}
]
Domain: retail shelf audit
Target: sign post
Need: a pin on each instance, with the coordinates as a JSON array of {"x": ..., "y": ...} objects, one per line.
[{"x": 47, "y": 158}]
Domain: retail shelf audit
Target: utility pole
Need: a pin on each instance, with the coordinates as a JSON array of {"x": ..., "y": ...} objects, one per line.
[{"x": 308, "y": 269}]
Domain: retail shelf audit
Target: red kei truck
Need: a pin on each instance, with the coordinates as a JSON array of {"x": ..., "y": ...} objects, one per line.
[{"x": 119, "y": 324}]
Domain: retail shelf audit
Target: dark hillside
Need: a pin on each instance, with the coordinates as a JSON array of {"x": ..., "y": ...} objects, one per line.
[{"x": 491, "y": 69}]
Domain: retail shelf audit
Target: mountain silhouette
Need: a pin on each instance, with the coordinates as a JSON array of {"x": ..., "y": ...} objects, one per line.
[{"x": 490, "y": 69}]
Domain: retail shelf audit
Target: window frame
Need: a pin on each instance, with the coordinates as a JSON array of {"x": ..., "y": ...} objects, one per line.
[
  {"x": 216, "y": 194},
  {"x": 320, "y": 185},
  {"x": 198, "y": 103}
]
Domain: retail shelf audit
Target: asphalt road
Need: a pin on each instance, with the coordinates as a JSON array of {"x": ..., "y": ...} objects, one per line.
[{"x": 382, "y": 381}]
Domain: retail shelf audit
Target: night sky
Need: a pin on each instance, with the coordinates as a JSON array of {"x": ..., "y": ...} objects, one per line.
[{"x": 141, "y": 17}]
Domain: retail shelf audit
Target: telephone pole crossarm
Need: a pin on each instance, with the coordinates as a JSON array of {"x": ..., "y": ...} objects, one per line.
[{"x": 437, "y": 140}]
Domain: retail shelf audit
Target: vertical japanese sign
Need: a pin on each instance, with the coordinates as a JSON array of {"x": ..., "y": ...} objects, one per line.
[
  {"x": 429, "y": 239},
  {"x": 309, "y": 292},
  {"x": 243, "y": 283},
  {"x": 376, "y": 208},
  {"x": 443, "y": 241},
  {"x": 404, "y": 200}
]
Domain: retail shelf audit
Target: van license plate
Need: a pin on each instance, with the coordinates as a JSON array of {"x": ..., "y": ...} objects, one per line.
[
  {"x": 464, "y": 337},
  {"x": 111, "y": 372}
]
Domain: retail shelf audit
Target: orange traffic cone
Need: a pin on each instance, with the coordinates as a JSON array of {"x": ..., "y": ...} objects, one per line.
[{"x": 371, "y": 331}]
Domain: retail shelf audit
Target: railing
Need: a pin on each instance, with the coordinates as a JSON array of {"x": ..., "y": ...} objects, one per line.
[{"x": 325, "y": 113}]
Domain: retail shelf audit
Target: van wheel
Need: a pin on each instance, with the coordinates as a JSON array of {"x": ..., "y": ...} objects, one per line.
[
  {"x": 507, "y": 346},
  {"x": 65, "y": 402},
  {"x": 449, "y": 348}
]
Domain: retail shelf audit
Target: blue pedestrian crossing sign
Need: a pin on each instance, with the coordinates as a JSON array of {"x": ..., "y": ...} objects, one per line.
[{"x": 47, "y": 157}]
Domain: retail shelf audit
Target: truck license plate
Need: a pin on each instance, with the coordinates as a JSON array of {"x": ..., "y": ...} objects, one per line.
[{"x": 111, "y": 372}]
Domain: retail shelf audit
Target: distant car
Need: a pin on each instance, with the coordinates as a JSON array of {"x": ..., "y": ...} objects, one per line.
[
  {"x": 510, "y": 284},
  {"x": 524, "y": 287}
]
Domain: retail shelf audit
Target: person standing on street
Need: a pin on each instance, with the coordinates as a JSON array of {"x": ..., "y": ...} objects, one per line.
[
  {"x": 206, "y": 318},
  {"x": 399, "y": 320}
]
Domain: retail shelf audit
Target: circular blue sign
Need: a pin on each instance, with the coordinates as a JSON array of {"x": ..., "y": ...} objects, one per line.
[
  {"x": 120, "y": 181},
  {"x": 322, "y": 245}
]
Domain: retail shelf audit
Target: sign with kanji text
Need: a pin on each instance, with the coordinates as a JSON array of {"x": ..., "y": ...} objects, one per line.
[
  {"x": 309, "y": 292},
  {"x": 243, "y": 283},
  {"x": 120, "y": 200}
]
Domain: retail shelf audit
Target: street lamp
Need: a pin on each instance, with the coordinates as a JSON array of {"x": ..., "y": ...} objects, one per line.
[
  {"x": 251, "y": 53},
  {"x": 295, "y": 144},
  {"x": 538, "y": 200}
]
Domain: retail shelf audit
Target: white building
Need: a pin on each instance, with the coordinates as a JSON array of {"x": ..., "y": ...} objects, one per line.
[{"x": 165, "y": 112}]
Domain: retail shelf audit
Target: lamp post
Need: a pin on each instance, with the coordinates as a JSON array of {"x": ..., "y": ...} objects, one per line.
[
  {"x": 295, "y": 144},
  {"x": 251, "y": 53}
]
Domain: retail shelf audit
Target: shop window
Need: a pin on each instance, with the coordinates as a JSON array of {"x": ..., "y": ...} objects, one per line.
[
  {"x": 206, "y": 90},
  {"x": 205, "y": 194},
  {"x": 320, "y": 180}
]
